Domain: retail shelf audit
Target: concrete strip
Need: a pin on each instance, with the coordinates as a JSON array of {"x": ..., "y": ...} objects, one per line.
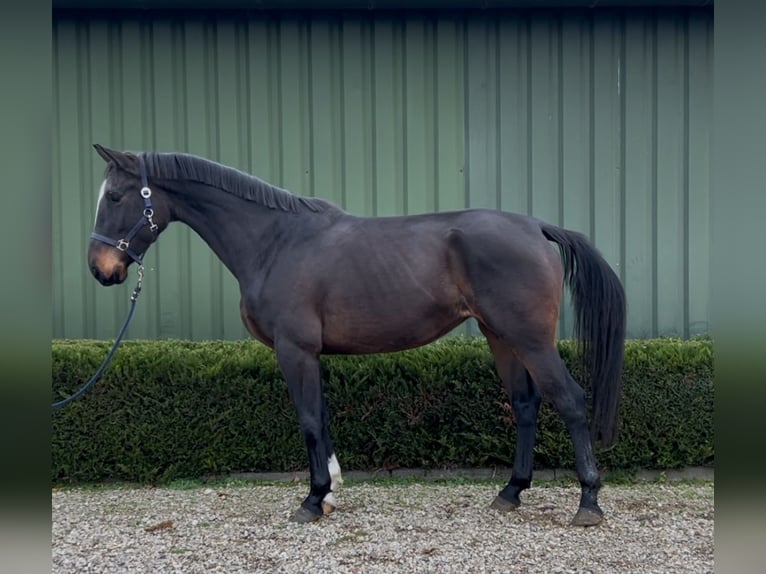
[{"x": 499, "y": 473}]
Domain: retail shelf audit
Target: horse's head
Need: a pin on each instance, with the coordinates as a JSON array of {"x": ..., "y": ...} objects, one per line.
[{"x": 130, "y": 215}]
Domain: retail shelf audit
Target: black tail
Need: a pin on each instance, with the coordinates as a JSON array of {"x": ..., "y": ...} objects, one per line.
[{"x": 599, "y": 302}]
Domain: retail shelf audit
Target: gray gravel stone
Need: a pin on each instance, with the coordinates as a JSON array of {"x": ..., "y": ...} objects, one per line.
[{"x": 419, "y": 527}]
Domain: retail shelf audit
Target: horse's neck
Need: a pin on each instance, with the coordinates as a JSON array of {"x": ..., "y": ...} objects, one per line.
[{"x": 240, "y": 233}]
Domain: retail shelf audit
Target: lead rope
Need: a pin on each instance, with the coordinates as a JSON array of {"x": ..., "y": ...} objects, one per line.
[{"x": 117, "y": 341}]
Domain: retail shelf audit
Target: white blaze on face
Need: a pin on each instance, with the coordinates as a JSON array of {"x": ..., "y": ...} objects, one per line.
[
  {"x": 335, "y": 481},
  {"x": 100, "y": 197}
]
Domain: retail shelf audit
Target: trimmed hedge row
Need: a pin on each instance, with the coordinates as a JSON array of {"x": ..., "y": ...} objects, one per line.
[{"x": 173, "y": 409}]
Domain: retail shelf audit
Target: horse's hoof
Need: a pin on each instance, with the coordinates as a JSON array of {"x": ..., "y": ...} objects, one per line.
[
  {"x": 329, "y": 504},
  {"x": 303, "y": 515},
  {"x": 503, "y": 505},
  {"x": 587, "y": 517}
]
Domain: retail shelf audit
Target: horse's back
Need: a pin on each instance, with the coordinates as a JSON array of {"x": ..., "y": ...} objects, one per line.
[{"x": 429, "y": 247}]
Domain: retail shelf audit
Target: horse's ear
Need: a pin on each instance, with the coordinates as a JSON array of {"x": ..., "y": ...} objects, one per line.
[
  {"x": 122, "y": 159},
  {"x": 106, "y": 153}
]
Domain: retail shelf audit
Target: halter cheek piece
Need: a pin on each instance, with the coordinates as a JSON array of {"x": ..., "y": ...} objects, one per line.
[{"x": 146, "y": 219}]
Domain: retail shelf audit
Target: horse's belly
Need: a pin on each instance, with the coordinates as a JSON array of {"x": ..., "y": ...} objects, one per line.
[
  {"x": 397, "y": 301},
  {"x": 357, "y": 331}
]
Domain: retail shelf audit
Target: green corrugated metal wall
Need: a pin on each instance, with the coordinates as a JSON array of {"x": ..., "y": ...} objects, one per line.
[{"x": 596, "y": 120}]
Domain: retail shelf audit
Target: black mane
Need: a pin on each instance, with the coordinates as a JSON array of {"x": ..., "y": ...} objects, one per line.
[{"x": 187, "y": 167}]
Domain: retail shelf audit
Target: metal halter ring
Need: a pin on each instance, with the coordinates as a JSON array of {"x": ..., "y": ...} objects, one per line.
[
  {"x": 122, "y": 245},
  {"x": 148, "y": 212},
  {"x": 146, "y": 192}
]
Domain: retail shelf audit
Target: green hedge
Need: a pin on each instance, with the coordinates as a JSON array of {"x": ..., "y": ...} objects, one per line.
[{"x": 172, "y": 409}]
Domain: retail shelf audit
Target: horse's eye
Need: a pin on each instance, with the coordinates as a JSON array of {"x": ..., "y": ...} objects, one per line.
[{"x": 113, "y": 195}]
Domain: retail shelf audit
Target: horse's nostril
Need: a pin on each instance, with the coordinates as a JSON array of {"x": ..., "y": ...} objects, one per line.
[{"x": 102, "y": 277}]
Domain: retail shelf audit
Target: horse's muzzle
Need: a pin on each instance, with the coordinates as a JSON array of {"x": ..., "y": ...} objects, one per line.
[
  {"x": 107, "y": 267},
  {"x": 114, "y": 279}
]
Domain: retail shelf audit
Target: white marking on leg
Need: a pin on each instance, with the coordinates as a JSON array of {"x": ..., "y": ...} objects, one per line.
[
  {"x": 329, "y": 502},
  {"x": 335, "y": 477},
  {"x": 101, "y": 192}
]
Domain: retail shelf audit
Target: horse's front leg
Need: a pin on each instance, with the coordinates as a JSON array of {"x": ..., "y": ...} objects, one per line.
[{"x": 300, "y": 368}]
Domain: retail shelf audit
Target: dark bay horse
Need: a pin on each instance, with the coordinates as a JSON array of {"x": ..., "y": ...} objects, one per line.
[{"x": 315, "y": 279}]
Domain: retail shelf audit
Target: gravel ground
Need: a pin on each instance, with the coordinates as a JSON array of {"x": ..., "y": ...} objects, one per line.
[{"x": 399, "y": 527}]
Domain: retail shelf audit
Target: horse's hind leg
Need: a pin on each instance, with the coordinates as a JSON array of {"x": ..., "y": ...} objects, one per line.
[
  {"x": 521, "y": 309},
  {"x": 525, "y": 402},
  {"x": 568, "y": 398}
]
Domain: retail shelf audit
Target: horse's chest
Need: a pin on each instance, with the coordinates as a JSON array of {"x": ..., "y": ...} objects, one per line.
[{"x": 256, "y": 330}]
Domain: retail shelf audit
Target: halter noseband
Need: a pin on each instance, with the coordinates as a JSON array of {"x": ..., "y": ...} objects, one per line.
[{"x": 146, "y": 218}]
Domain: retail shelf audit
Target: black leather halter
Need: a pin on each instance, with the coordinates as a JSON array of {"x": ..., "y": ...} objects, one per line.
[{"x": 145, "y": 219}]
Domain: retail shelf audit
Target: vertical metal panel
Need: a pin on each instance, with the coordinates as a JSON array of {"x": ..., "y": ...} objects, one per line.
[
  {"x": 639, "y": 168},
  {"x": 698, "y": 126},
  {"x": 599, "y": 121},
  {"x": 388, "y": 133}
]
